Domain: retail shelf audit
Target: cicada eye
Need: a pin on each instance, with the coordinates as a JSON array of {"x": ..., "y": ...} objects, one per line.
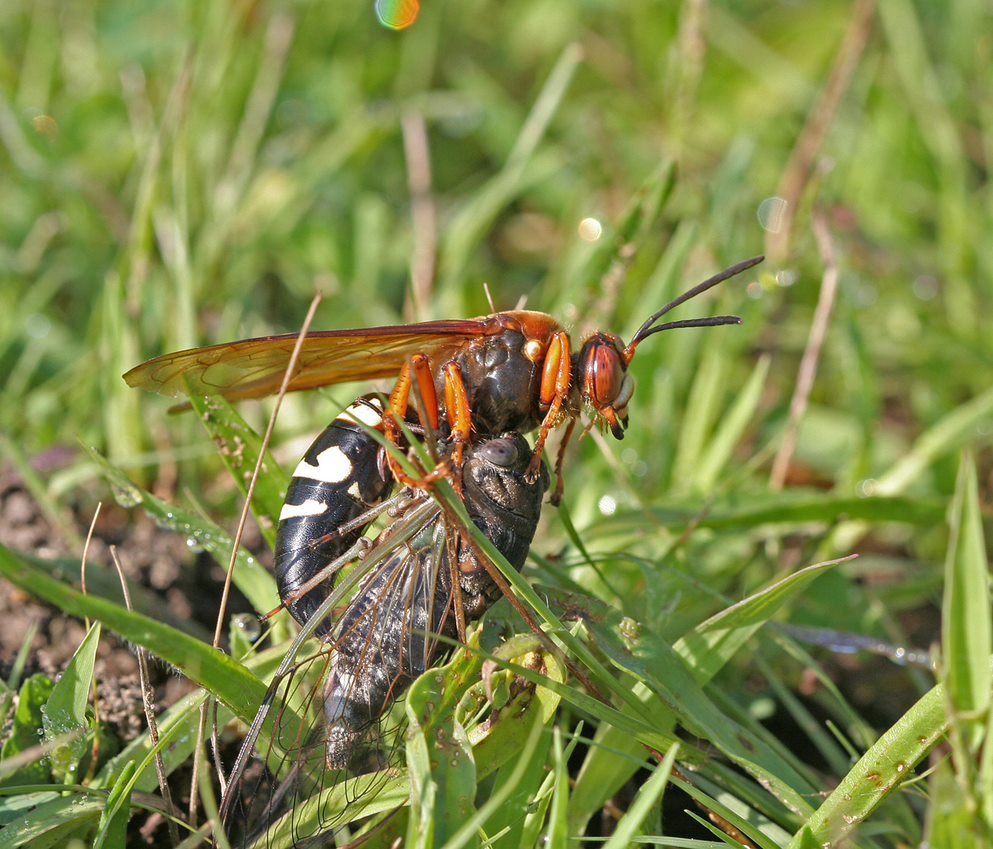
[{"x": 500, "y": 452}]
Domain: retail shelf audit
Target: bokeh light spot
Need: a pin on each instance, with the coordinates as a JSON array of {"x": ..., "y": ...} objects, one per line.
[
  {"x": 926, "y": 287},
  {"x": 866, "y": 487},
  {"x": 590, "y": 229},
  {"x": 37, "y": 326},
  {"x": 771, "y": 213},
  {"x": 397, "y": 14},
  {"x": 786, "y": 278},
  {"x": 607, "y": 505},
  {"x": 45, "y": 125}
]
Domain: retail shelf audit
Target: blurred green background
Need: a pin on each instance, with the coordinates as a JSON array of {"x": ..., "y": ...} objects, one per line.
[{"x": 179, "y": 174}]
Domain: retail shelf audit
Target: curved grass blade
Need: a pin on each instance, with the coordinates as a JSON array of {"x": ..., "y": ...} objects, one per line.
[
  {"x": 229, "y": 680},
  {"x": 239, "y": 445},
  {"x": 880, "y": 771},
  {"x": 255, "y": 582}
]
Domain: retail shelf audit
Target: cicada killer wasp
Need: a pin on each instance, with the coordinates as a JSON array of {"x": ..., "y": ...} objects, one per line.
[
  {"x": 510, "y": 371},
  {"x": 419, "y": 578}
]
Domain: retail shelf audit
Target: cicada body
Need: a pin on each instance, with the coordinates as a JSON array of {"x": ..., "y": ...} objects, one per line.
[{"x": 419, "y": 577}]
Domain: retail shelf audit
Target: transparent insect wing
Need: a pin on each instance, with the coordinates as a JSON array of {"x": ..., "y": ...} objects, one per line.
[
  {"x": 292, "y": 793},
  {"x": 393, "y": 609}
]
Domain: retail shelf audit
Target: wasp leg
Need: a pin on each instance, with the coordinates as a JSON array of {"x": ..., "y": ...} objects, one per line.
[
  {"x": 459, "y": 417},
  {"x": 556, "y": 383},
  {"x": 416, "y": 369},
  {"x": 556, "y": 498}
]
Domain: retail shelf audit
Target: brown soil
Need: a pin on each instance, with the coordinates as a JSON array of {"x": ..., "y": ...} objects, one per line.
[{"x": 167, "y": 579}]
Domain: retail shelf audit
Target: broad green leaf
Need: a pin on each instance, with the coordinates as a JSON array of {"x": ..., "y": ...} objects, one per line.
[{"x": 65, "y": 712}]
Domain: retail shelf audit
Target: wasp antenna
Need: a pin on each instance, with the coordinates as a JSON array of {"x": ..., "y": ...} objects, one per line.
[
  {"x": 647, "y": 330},
  {"x": 712, "y": 321}
]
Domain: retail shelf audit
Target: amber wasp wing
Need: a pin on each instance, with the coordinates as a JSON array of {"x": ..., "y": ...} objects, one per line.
[{"x": 254, "y": 368}]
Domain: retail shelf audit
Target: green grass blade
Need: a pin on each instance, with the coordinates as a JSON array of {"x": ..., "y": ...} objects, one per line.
[
  {"x": 255, "y": 582},
  {"x": 114, "y": 820},
  {"x": 53, "y": 822},
  {"x": 966, "y": 631},
  {"x": 709, "y": 646},
  {"x": 648, "y": 797},
  {"x": 880, "y": 771},
  {"x": 226, "y": 678},
  {"x": 730, "y": 430},
  {"x": 238, "y": 446}
]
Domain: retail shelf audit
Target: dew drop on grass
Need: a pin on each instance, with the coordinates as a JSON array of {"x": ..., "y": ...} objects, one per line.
[
  {"x": 126, "y": 496},
  {"x": 248, "y": 624}
]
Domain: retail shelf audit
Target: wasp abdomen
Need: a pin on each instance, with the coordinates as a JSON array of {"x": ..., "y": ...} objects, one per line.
[{"x": 340, "y": 477}]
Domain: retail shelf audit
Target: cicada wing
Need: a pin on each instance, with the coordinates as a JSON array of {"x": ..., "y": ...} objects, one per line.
[
  {"x": 314, "y": 779},
  {"x": 253, "y": 368}
]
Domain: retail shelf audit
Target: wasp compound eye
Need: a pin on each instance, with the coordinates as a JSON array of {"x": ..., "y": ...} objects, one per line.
[
  {"x": 602, "y": 369},
  {"x": 500, "y": 452}
]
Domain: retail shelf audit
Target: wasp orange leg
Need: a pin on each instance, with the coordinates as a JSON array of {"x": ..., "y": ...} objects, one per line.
[
  {"x": 416, "y": 369},
  {"x": 556, "y": 383},
  {"x": 459, "y": 414}
]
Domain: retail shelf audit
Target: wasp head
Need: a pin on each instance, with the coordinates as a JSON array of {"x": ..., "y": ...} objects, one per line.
[
  {"x": 605, "y": 384},
  {"x": 602, "y": 363}
]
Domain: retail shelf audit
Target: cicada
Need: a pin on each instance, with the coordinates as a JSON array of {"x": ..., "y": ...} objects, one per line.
[{"x": 394, "y": 614}]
